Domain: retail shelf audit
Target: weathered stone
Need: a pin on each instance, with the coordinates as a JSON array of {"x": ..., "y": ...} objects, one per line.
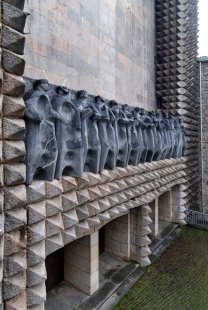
[
  {"x": 36, "y": 274},
  {"x": 36, "y": 212},
  {"x": 13, "y": 85},
  {"x": 53, "y": 188},
  {"x": 36, "y": 192},
  {"x": 17, "y": 3},
  {"x": 15, "y": 196},
  {"x": 54, "y": 206},
  {"x": 13, "y": 40},
  {"x": 36, "y": 253},
  {"x": 15, "y": 263},
  {"x": 15, "y": 241},
  {"x": 14, "y": 285},
  {"x": 14, "y": 174},
  {"x": 13, "y": 151},
  {"x": 15, "y": 218},
  {"x": 54, "y": 224},
  {"x": 36, "y": 295},
  {"x": 54, "y": 243},
  {"x": 13, "y": 107},
  {"x": 36, "y": 232},
  {"x": 13, "y": 129},
  {"x": 17, "y": 303},
  {"x": 14, "y": 17},
  {"x": 12, "y": 63}
]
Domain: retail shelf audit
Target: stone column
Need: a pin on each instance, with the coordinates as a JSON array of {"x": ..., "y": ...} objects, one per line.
[
  {"x": 81, "y": 263},
  {"x": 165, "y": 207},
  {"x": 178, "y": 204},
  {"x": 139, "y": 235},
  {"x": 154, "y": 217},
  {"x": 117, "y": 237}
]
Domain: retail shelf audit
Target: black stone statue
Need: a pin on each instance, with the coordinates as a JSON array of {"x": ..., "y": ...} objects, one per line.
[{"x": 41, "y": 144}]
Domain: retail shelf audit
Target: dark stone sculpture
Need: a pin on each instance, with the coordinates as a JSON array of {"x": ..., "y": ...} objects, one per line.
[
  {"x": 70, "y": 132},
  {"x": 41, "y": 142}
]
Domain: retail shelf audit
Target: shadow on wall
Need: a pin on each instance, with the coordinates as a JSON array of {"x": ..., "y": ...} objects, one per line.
[{"x": 69, "y": 132}]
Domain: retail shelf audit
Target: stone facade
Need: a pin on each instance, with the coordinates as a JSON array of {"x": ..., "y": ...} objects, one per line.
[
  {"x": 40, "y": 218},
  {"x": 204, "y": 138},
  {"x": 105, "y": 47}
]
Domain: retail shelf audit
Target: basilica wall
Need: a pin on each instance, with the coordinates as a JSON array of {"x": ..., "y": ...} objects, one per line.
[{"x": 105, "y": 47}]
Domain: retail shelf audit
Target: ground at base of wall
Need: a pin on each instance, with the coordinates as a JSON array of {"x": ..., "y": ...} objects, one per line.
[{"x": 177, "y": 280}]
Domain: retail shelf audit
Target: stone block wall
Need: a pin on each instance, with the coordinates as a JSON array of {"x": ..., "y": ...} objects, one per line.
[
  {"x": 105, "y": 47},
  {"x": 204, "y": 138}
]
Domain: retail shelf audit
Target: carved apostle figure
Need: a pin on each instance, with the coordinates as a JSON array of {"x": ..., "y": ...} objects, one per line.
[
  {"x": 148, "y": 137},
  {"x": 133, "y": 143},
  {"x": 68, "y": 134},
  {"x": 138, "y": 126},
  {"x": 172, "y": 136},
  {"x": 41, "y": 145},
  {"x": 102, "y": 130},
  {"x": 121, "y": 124},
  {"x": 158, "y": 136}
]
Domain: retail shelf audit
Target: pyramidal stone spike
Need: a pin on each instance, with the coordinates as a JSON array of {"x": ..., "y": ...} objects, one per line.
[
  {"x": 130, "y": 181},
  {"x": 128, "y": 193},
  {"x": 145, "y": 210},
  {"x": 114, "y": 212},
  {"x": 82, "y": 212},
  {"x": 130, "y": 170},
  {"x": 68, "y": 183},
  {"x": 14, "y": 285},
  {"x": 104, "y": 189},
  {"x": 13, "y": 151},
  {"x": 17, "y": 303},
  {"x": 121, "y": 183},
  {"x": 105, "y": 176},
  {"x": 121, "y": 197},
  {"x": 94, "y": 192},
  {"x": 36, "y": 274},
  {"x": 14, "y": 174},
  {"x": 113, "y": 187},
  {"x": 14, "y": 242},
  {"x": 13, "y": 85},
  {"x": 94, "y": 207},
  {"x": 94, "y": 179},
  {"x": 130, "y": 204},
  {"x": 145, "y": 230},
  {"x": 121, "y": 171},
  {"x": 83, "y": 181},
  {"x": 53, "y": 206},
  {"x": 54, "y": 225},
  {"x": 144, "y": 261},
  {"x": 83, "y": 196},
  {"x": 36, "y": 212},
  {"x": 15, "y": 263},
  {"x": 145, "y": 220},
  {"x": 70, "y": 218},
  {"x": 54, "y": 243},
  {"x": 69, "y": 235},
  {"x": 36, "y": 253},
  {"x": 144, "y": 251},
  {"x": 53, "y": 188},
  {"x": 69, "y": 201},
  {"x": 104, "y": 216},
  {"x": 15, "y": 196},
  {"x": 35, "y": 191},
  {"x": 113, "y": 200},
  {"x": 121, "y": 208},
  {"x": 181, "y": 216},
  {"x": 143, "y": 241},
  {"x": 13, "y": 63},
  {"x": 114, "y": 174},
  {"x": 13, "y": 40},
  {"x": 36, "y": 232},
  {"x": 104, "y": 204},
  {"x": 36, "y": 295},
  {"x": 82, "y": 228},
  {"x": 93, "y": 221},
  {"x": 14, "y": 219}
]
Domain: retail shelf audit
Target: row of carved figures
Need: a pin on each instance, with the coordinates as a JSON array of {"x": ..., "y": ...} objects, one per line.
[{"x": 70, "y": 132}]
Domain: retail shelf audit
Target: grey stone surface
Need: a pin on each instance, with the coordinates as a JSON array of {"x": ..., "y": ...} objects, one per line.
[{"x": 97, "y": 54}]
